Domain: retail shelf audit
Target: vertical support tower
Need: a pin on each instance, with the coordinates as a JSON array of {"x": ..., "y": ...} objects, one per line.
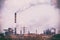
[{"x": 15, "y": 23}]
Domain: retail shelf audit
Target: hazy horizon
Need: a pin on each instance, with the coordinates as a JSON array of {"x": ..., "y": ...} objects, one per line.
[{"x": 37, "y": 16}]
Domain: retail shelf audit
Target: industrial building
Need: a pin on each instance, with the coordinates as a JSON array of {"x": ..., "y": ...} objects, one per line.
[{"x": 22, "y": 20}]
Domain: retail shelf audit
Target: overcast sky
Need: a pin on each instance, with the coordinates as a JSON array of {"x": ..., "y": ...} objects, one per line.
[{"x": 39, "y": 16}]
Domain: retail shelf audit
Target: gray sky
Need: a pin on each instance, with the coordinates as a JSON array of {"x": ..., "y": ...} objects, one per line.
[
  {"x": 1, "y": 4},
  {"x": 40, "y": 16}
]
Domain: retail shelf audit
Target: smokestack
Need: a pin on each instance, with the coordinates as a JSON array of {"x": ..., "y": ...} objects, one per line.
[
  {"x": 15, "y": 31},
  {"x": 28, "y": 32},
  {"x": 23, "y": 30},
  {"x": 20, "y": 31},
  {"x": 15, "y": 17},
  {"x": 36, "y": 31}
]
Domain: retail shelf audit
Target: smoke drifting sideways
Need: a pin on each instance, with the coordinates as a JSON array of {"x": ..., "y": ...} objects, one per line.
[
  {"x": 58, "y": 4},
  {"x": 1, "y": 4}
]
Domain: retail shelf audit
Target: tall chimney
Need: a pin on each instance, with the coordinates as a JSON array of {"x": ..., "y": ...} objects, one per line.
[
  {"x": 36, "y": 31},
  {"x": 15, "y": 21},
  {"x": 15, "y": 31},
  {"x": 20, "y": 31},
  {"x": 15, "y": 17},
  {"x": 23, "y": 30}
]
